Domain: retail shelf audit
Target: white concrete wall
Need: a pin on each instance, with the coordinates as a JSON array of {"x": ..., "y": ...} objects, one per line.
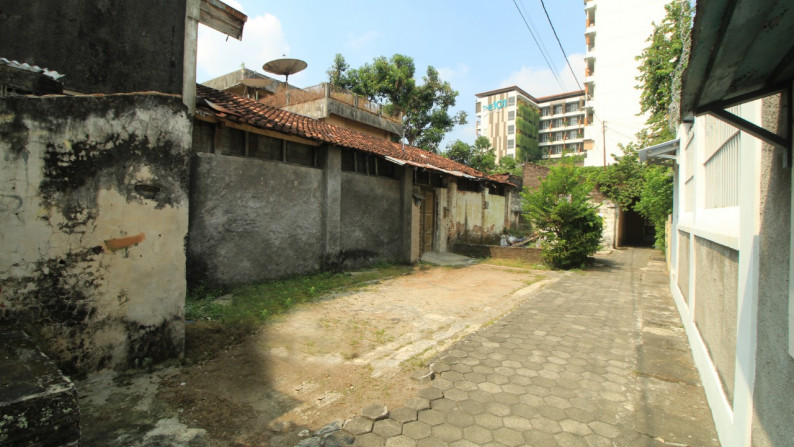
[
  {"x": 94, "y": 214},
  {"x": 621, "y": 30}
]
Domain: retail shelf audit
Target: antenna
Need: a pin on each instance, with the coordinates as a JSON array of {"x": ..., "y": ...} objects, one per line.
[{"x": 285, "y": 67}]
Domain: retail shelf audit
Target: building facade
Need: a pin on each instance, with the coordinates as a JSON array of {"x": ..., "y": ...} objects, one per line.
[
  {"x": 562, "y": 121},
  {"x": 509, "y": 117},
  {"x": 616, "y": 32}
]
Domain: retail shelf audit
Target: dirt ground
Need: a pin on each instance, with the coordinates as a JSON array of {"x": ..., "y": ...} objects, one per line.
[{"x": 319, "y": 363}]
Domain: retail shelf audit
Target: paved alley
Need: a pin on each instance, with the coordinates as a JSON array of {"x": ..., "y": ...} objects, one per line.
[{"x": 598, "y": 358}]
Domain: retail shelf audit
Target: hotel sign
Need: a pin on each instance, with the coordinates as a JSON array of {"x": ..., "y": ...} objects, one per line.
[{"x": 496, "y": 105}]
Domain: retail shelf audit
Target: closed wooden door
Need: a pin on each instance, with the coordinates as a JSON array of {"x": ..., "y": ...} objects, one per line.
[{"x": 427, "y": 227}]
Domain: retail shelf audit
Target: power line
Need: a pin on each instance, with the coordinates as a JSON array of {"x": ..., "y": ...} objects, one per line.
[
  {"x": 553, "y": 72},
  {"x": 560, "y": 44},
  {"x": 544, "y": 50}
]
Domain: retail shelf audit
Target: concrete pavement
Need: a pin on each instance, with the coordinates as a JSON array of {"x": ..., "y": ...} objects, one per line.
[{"x": 598, "y": 358}]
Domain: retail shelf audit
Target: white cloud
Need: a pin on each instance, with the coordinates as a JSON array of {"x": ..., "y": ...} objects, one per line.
[
  {"x": 453, "y": 74},
  {"x": 263, "y": 40},
  {"x": 541, "y": 82},
  {"x": 357, "y": 42}
]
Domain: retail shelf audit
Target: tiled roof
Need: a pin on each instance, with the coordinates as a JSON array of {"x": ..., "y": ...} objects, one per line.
[{"x": 228, "y": 106}]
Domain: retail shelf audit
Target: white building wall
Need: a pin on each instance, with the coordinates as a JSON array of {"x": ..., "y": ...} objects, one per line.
[{"x": 620, "y": 31}]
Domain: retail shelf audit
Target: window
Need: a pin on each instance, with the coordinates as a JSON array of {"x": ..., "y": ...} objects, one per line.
[
  {"x": 558, "y": 135},
  {"x": 511, "y": 115},
  {"x": 511, "y": 144},
  {"x": 572, "y": 107},
  {"x": 511, "y": 101},
  {"x": 558, "y": 122},
  {"x": 478, "y": 107},
  {"x": 349, "y": 161},
  {"x": 511, "y": 129},
  {"x": 266, "y": 148},
  {"x": 301, "y": 154},
  {"x": 557, "y": 109},
  {"x": 573, "y": 121},
  {"x": 544, "y": 137},
  {"x": 556, "y": 149},
  {"x": 572, "y": 134},
  {"x": 544, "y": 111},
  {"x": 545, "y": 124}
]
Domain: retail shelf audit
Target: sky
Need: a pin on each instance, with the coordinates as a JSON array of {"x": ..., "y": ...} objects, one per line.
[{"x": 476, "y": 46}]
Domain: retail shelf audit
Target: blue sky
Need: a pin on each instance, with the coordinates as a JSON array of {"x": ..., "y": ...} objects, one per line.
[{"x": 475, "y": 45}]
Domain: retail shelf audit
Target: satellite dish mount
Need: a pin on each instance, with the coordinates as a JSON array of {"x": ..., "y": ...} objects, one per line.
[{"x": 285, "y": 67}]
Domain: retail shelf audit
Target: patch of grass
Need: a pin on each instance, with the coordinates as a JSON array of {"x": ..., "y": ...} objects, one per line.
[
  {"x": 535, "y": 279},
  {"x": 250, "y": 306}
]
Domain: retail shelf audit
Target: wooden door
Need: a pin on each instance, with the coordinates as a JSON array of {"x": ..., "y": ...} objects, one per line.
[{"x": 427, "y": 220}]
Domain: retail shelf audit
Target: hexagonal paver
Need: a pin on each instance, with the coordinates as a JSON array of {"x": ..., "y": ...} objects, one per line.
[
  {"x": 517, "y": 423},
  {"x": 460, "y": 419},
  {"x": 474, "y": 377},
  {"x": 416, "y": 430},
  {"x": 506, "y": 398},
  {"x": 580, "y": 415},
  {"x": 403, "y": 415},
  {"x": 456, "y": 395},
  {"x": 452, "y": 376},
  {"x": 431, "y": 417},
  {"x": 556, "y": 401},
  {"x": 481, "y": 396},
  {"x": 477, "y": 434},
  {"x": 443, "y": 404},
  {"x": 489, "y": 387},
  {"x": 441, "y": 384},
  {"x": 417, "y": 403},
  {"x": 447, "y": 432},
  {"x": 508, "y": 436},
  {"x": 430, "y": 442},
  {"x": 575, "y": 427},
  {"x": 358, "y": 426},
  {"x": 570, "y": 440},
  {"x": 546, "y": 425},
  {"x": 387, "y": 428},
  {"x": 497, "y": 378},
  {"x": 537, "y": 438},
  {"x": 470, "y": 406},
  {"x": 598, "y": 441},
  {"x": 375, "y": 412},
  {"x": 370, "y": 440},
  {"x": 488, "y": 421},
  {"x": 482, "y": 369},
  {"x": 431, "y": 393},
  {"x": 465, "y": 385},
  {"x": 497, "y": 409},
  {"x": 604, "y": 429},
  {"x": 400, "y": 441},
  {"x": 460, "y": 367}
]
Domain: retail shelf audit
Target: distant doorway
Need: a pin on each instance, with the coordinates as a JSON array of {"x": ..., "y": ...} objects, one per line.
[
  {"x": 427, "y": 220},
  {"x": 632, "y": 231}
]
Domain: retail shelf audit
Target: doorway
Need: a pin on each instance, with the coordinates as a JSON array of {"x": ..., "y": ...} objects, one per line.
[{"x": 427, "y": 213}]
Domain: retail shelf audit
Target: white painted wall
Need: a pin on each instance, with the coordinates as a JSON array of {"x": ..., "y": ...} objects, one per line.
[{"x": 622, "y": 27}]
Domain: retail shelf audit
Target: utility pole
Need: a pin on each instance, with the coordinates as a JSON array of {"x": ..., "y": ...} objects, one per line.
[{"x": 604, "y": 141}]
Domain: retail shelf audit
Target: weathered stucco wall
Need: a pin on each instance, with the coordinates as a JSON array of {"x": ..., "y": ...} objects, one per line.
[
  {"x": 774, "y": 383},
  {"x": 371, "y": 229},
  {"x": 94, "y": 212},
  {"x": 468, "y": 219},
  {"x": 252, "y": 220},
  {"x": 716, "y": 289},
  {"x": 102, "y": 47}
]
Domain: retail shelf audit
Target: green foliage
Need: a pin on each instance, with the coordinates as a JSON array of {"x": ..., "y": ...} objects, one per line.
[
  {"x": 248, "y": 306},
  {"x": 391, "y": 82},
  {"x": 561, "y": 210},
  {"x": 656, "y": 199},
  {"x": 479, "y": 156},
  {"x": 510, "y": 165},
  {"x": 661, "y": 65},
  {"x": 527, "y": 123}
]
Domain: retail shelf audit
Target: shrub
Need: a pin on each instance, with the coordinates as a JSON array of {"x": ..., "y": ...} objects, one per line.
[{"x": 560, "y": 209}]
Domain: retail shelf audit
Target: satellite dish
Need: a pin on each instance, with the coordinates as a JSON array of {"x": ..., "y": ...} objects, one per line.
[{"x": 285, "y": 67}]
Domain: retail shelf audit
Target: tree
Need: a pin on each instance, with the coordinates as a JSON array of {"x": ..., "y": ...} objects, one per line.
[
  {"x": 479, "y": 156},
  {"x": 562, "y": 211},
  {"x": 661, "y": 65},
  {"x": 391, "y": 82}
]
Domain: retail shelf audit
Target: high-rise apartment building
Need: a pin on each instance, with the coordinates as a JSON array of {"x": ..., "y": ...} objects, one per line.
[
  {"x": 522, "y": 126},
  {"x": 616, "y": 32},
  {"x": 562, "y": 121},
  {"x": 509, "y": 118}
]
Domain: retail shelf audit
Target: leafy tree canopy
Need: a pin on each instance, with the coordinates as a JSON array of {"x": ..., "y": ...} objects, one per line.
[
  {"x": 426, "y": 107},
  {"x": 479, "y": 156},
  {"x": 661, "y": 65}
]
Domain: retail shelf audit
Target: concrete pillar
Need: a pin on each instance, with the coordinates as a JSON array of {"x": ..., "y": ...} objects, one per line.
[
  {"x": 406, "y": 208},
  {"x": 192, "y": 14},
  {"x": 332, "y": 192}
]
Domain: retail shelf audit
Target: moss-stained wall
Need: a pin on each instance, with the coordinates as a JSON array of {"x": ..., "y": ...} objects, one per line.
[
  {"x": 94, "y": 212},
  {"x": 470, "y": 217}
]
